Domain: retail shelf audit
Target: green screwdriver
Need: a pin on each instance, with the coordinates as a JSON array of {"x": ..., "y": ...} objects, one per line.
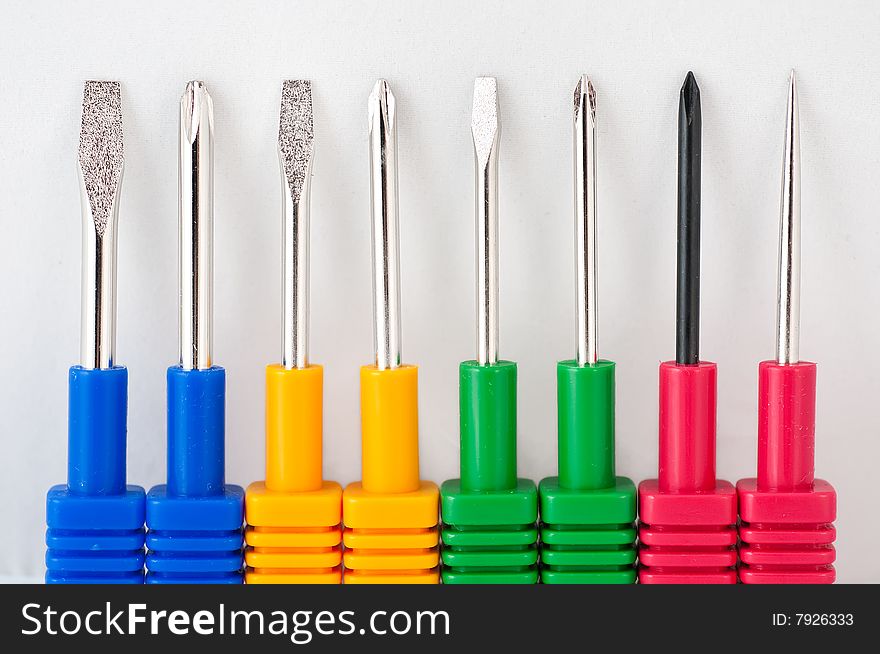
[
  {"x": 489, "y": 515},
  {"x": 587, "y": 513}
]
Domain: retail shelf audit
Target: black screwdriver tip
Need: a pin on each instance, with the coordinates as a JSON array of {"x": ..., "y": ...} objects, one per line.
[
  {"x": 687, "y": 350},
  {"x": 690, "y": 97}
]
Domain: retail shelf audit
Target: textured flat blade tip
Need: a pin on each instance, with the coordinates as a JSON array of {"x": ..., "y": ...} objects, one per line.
[
  {"x": 101, "y": 148},
  {"x": 296, "y": 134},
  {"x": 484, "y": 120}
]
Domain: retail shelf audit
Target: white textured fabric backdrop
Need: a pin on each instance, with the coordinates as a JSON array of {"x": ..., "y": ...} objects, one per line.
[{"x": 637, "y": 54}]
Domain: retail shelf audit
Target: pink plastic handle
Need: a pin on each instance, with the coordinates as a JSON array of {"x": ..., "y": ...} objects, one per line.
[
  {"x": 687, "y": 427},
  {"x": 786, "y": 426}
]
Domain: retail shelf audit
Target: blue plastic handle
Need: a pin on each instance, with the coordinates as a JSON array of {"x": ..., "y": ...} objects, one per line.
[
  {"x": 196, "y": 431},
  {"x": 98, "y": 404},
  {"x": 95, "y": 522},
  {"x": 194, "y": 521}
]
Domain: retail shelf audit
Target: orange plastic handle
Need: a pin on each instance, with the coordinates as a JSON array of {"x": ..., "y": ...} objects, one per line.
[
  {"x": 294, "y": 425},
  {"x": 390, "y": 429}
]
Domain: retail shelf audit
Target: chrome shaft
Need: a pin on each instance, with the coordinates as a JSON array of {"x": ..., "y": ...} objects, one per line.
[
  {"x": 196, "y": 238},
  {"x": 486, "y": 131},
  {"x": 585, "y": 221},
  {"x": 100, "y": 174},
  {"x": 384, "y": 226},
  {"x": 295, "y": 154},
  {"x": 788, "y": 284}
]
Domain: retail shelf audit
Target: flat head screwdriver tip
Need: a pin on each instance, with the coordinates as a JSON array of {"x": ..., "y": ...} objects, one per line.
[
  {"x": 296, "y": 144},
  {"x": 101, "y": 149},
  {"x": 100, "y": 169},
  {"x": 295, "y": 155},
  {"x": 485, "y": 121}
]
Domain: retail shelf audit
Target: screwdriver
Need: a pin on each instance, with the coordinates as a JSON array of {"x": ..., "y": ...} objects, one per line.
[
  {"x": 95, "y": 521},
  {"x": 489, "y": 515},
  {"x": 786, "y": 514},
  {"x": 687, "y": 530},
  {"x": 294, "y": 517},
  {"x": 390, "y": 515},
  {"x": 194, "y": 522},
  {"x": 587, "y": 513}
]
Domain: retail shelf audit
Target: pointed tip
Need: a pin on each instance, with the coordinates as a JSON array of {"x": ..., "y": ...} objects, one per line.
[
  {"x": 101, "y": 148},
  {"x": 194, "y": 91},
  {"x": 591, "y": 95},
  {"x": 485, "y": 122},
  {"x": 585, "y": 96},
  {"x": 296, "y": 135},
  {"x": 689, "y": 102},
  {"x": 689, "y": 87},
  {"x": 381, "y": 104},
  {"x": 381, "y": 93},
  {"x": 792, "y": 112},
  {"x": 792, "y": 129},
  {"x": 196, "y": 107}
]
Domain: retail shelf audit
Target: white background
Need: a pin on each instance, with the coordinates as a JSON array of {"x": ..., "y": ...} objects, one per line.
[{"x": 637, "y": 54}]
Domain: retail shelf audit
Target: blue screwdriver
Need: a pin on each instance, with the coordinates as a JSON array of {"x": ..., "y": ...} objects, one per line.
[{"x": 95, "y": 521}]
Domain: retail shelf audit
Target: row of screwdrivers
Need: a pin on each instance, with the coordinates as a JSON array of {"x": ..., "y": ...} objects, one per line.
[{"x": 488, "y": 525}]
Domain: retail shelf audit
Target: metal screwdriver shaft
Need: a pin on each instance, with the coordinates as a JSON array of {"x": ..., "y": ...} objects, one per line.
[
  {"x": 196, "y": 242},
  {"x": 585, "y": 221},
  {"x": 100, "y": 173},
  {"x": 385, "y": 236},
  {"x": 295, "y": 154},
  {"x": 788, "y": 288},
  {"x": 690, "y": 125},
  {"x": 486, "y": 130}
]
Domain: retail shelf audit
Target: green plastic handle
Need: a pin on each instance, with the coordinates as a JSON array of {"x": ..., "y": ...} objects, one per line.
[
  {"x": 585, "y": 397},
  {"x": 487, "y": 400}
]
